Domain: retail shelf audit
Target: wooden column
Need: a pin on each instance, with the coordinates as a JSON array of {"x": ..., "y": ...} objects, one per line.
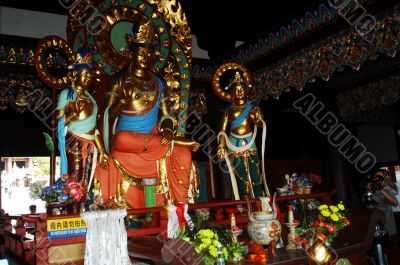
[{"x": 53, "y": 137}]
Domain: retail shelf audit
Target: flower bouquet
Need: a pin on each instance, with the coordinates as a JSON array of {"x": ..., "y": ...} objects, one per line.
[
  {"x": 65, "y": 191},
  {"x": 206, "y": 241},
  {"x": 55, "y": 192},
  {"x": 330, "y": 220},
  {"x": 301, "y": 184}
]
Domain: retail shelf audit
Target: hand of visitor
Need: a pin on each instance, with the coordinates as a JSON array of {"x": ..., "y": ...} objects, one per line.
[
  {"x": 221, "y": 152},
  {"x": 166, "y": 136},
  {"x": 104, "y": 159}
]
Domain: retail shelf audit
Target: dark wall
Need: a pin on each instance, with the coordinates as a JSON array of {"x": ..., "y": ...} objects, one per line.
[{"x": 21, "y": 134}]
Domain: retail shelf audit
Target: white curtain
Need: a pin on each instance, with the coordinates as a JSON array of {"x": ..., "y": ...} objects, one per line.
[{"x": 106, "y": 238}]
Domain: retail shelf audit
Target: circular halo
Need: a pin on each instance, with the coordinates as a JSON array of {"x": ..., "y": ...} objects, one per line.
[
  {"x": 215, "y": 82},
  {"x": 45, "y": 47},
  {"x": 109, "y": 57}
]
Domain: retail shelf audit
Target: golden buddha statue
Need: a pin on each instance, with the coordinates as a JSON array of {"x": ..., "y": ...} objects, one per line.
[
  {"x": 239, "y": 148},
  {"x": 150, "y": 164},
  {"x": 77, "y": 113}
]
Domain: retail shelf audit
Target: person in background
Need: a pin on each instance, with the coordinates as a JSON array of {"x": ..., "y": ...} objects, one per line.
[
  {"x": 384, "y": 193},
  {"x": 32, "y": 209},
  {"x": 396, "y": 209},
  {"x": 31, "y": 227}
]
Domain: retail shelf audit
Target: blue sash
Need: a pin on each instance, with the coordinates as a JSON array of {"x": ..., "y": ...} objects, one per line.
[
  {"x": 76, "y": 127},
  {"x": 61, "y": 146},
  {"x": 141, "y": 123},
  {"x": 236, "y": 122}
]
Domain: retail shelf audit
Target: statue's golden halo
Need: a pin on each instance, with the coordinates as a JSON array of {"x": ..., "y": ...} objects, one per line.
[
  {"x": 43, "y": 49},
  {"x": 220, "y": 92}
]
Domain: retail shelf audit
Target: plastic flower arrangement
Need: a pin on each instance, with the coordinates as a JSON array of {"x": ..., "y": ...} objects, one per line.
[
  {"x": 55, "y": 192},
  {"x": 331, "y": 219},
  {"x": 205, "y": 242},
  {"x": 64, "y": 190}
]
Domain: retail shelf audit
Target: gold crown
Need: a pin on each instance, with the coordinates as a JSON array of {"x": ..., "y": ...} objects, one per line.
[
  {"x": 238, "y": 78},
  {"x": 146, "y": 35},
  {"x": 82, "y": 60}
]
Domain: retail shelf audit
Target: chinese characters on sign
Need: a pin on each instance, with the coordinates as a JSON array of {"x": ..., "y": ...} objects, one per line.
[{"x": 60, "y": 228}]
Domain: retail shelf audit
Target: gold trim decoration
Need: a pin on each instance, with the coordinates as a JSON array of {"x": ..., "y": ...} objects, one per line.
[
  {"x": 196, "y": 180},
  {"x": 221, "y": 93},
  {"x": 173, "y": 14},
  {"x": 162, "y": 173},
  {"x": 129, "y": 179},
  {"x": 102, "y": 41},
  {"x": 42, "y": 53}
]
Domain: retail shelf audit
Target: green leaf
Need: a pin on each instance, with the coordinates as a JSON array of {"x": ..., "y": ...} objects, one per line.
[{"x": 49, "y": 142}]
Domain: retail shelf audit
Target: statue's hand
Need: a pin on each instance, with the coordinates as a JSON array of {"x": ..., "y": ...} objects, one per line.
[
  {"x": 221, "y": 152},
  {"x": 257, "y": 116},
  {"x": 195, "y": 146},
  {"x": 166, "y": 136},
  {"x": 104, "y": 159}
]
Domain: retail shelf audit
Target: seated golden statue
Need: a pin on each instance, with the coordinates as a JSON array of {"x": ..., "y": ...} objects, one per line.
[
  {"x": 239, "y": 148},
  {"x": 77, "y": 114},
  {"x": 149, "y": 164}
]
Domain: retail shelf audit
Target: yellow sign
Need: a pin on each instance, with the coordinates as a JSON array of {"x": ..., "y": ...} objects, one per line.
[{"x": 66, "y": 227}]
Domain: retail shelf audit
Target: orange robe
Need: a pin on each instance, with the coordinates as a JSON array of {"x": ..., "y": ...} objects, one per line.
[{"x": 139, "y": 158}]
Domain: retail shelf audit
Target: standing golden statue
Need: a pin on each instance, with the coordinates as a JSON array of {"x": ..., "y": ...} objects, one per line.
[
  {"x": 150, "y": 165},
  {"x": 79, "y": 140},
  {"x": 239, "y": 148},
  {"x": 77, "y": 112}
]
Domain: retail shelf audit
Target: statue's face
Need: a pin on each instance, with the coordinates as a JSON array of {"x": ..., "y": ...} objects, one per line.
[
  {"x": 143, "y": 57},
  {"x": 239, "y": 91},
  {"x": 84, "y": 80}
]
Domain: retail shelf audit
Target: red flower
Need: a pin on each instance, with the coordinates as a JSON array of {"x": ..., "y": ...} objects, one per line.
[
  {"x": 75, "y": 190},
  {"x": 347, "y": 221},
  {"x": 330, "y": 228},
  {"x": 320, "y": 223}
]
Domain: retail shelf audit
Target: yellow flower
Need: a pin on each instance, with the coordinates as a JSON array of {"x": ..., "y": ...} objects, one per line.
[
  {"x": 341, "y": 206},
  {"x": 208, "y": 233},
  {"x": 325, "y": 213},
  {"x": 334, "y": 208},
  {"x": 186, "y": 239},
  {"x": 213, "y": 251},
  {"x": 334, "y": 217},
  {"x": 201, "y": 247},
  {"x": 323, "y": 206},
  {"x": 216, "y": 243},
  {"x": 206, "y": 241},
  {"x": 225, "y": 252}
]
